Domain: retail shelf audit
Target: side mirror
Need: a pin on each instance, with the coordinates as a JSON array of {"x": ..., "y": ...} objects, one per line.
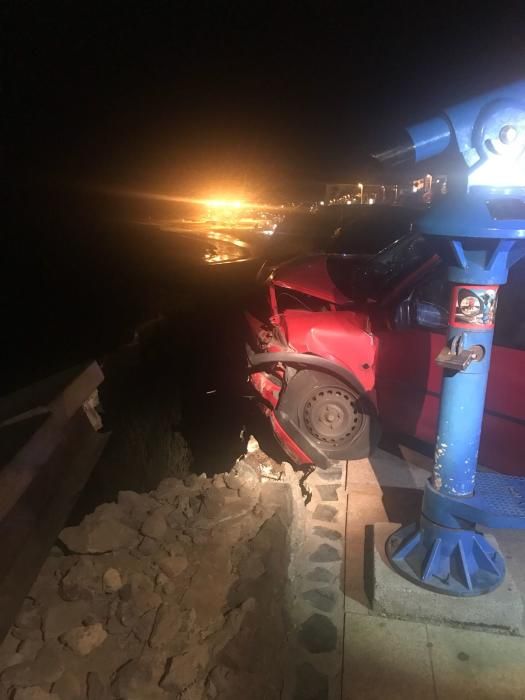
[
  {"x": 430, "y": 316},
  {"x": 404, "y": 313}
]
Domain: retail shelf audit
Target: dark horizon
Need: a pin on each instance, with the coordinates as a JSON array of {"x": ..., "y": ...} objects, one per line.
[{"x": 202, "y": 99}]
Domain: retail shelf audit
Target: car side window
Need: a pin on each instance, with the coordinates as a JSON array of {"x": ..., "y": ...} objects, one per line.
[
  {"x": 510, "y": 315},
  {"x": 434, "y": 290}
]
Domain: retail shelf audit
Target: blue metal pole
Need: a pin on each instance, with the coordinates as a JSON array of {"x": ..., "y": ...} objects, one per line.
[
  {"x": 460, "y": 419},
  {"x": 485, "y": 228}
]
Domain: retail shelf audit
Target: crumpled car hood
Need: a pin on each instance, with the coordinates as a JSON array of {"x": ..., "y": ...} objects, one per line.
[{"x": 310, "y": 275}]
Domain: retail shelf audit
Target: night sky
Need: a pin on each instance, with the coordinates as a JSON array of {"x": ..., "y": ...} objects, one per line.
[{"x": 200, "y": 97}]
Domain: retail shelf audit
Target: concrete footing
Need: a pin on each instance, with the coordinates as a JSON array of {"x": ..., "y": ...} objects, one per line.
[{"x": 392, "y": 595}]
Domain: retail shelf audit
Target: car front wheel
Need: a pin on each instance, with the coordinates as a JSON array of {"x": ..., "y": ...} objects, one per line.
[{"x": 331, "y": 414}]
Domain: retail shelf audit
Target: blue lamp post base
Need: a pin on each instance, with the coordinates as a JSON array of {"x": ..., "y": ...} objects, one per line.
[{"x": 446, "y": 560}]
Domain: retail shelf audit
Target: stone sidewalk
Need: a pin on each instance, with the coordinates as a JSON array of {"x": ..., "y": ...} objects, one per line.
[{"x": 386, "y": 658}]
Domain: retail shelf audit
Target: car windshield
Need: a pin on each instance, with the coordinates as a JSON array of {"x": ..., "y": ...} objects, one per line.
[
  {"x": 369, "y": 230},
  {"x": 374, "y": 277}
]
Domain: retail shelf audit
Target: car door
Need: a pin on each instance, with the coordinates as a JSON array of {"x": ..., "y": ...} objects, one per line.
[
  {"x": 503, "y": 435},
  {"x": 409, "y": 381}
]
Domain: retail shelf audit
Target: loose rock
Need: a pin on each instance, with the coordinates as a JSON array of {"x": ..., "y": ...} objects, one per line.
[
  {"x": 83, "y": 640},
  {"x": 112, "y": 581}
]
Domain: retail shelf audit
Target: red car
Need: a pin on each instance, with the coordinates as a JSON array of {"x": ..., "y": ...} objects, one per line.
[{"x": 340, "y": 345}]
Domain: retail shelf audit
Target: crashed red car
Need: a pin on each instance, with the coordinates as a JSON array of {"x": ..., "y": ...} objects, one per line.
[{"x": 340, "y": 346}]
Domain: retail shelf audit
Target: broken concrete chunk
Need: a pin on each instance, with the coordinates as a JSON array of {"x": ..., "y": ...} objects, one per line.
[
  {"x": 184, "y": 670},
  {"x": 81, "y": 582},
  {"x": 252, "y": 445},
  {"x": 62, "y": 617},
  {"x": 96, "y": 690},
  {"x": 110, "y": 511},
  {"x": 84, "y": 639},
  {"x": 29, "y": 616},
  {"x": 232, "y": 481},
  {"x": 247, "y": 474},
  {"x": 46, "y": 668},
  {"x": 69, "y": 686},
  {"x": 252, "y": 566},
  {"x": 34, "y": 693},
  {"x": 144, "y": 625},
  {"x": 173, "y": 566},
  {"x": 213, "y": 502},
  {"x": 167, "y": 624},
  {"x": 148, "y": 546},
  {"x": 29, "y": 648},
  {"x": 139, "y": 678},
  {"x": 98, "y": 536},
  {"x": 129, "y": 499},
  {"x": 154, "y": 526}
]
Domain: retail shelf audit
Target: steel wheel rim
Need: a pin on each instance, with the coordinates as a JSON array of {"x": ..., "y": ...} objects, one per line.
[{"x": 332, "y": 416}]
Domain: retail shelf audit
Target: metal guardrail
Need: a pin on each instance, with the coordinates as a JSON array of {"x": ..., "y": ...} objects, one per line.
[{"x": 49, "y": 445}]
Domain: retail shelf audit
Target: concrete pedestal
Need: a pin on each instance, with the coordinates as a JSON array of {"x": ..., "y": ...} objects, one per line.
[{"x": 392, "y": 595}]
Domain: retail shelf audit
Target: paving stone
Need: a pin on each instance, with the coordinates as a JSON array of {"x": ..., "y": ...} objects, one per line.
[
  {"x": 321, "y": 575},
  {"x": 475, "y": 665},
  {"x": 327, "y": 493},
  {"x": 325, "y": 513},
  {"x": 327, "y": 533},
  {"x": 318, "y": 634},
  {"x": 321, "y": 598},
  {"x": 393, "y": 595},
  {"x": 386, "y": 659},
  {"x": 325, "y": 553},
  {"x": 333, "y": 474},
  {"x": 310, "y": 684}
]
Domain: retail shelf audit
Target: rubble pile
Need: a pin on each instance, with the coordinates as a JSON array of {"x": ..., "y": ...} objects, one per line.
[{"x": 177, "y": 594}]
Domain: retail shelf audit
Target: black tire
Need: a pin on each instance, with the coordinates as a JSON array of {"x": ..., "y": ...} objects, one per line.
[{"x": 341, "y": 422}]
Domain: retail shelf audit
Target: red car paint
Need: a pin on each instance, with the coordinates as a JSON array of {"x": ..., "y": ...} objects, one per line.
[
  {"x": 330, "y": 337},
  {"x": 395, "y": 366},
  {"x": 309, "y": 276}
]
